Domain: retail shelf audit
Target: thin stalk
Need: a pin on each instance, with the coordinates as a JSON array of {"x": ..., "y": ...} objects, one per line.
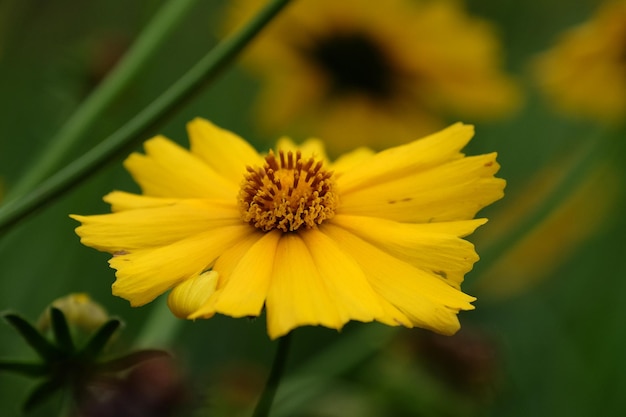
[
  {"x": 143, "y": 49},
  {"x": 143, "y": 123},
  {"x": 314, "y": 377},
  {"x": 271, "y": 386}
]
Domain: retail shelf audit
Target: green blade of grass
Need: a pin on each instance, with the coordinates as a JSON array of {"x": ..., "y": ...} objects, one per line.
[{"x": 146, "y": 121}]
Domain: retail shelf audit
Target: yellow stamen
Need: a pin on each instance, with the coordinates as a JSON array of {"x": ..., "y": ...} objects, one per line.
[{"x": 287, "y": 193}]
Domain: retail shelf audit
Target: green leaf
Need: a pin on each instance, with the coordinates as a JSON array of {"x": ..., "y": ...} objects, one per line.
[
  {"x": 24, "y": 368},
  {"x": 61, "y": 330},
  {"x": 41, "y": 393},
  {"x": 40, "y": 344},
  {"x": 99, "y": 340}
]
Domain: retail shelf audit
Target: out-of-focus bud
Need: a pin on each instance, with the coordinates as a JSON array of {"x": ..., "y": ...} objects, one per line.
[
  {"x": 80, "y": 311},
  {"x": 78, "y": 368}
]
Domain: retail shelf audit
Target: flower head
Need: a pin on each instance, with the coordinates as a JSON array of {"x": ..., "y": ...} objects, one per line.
[
  {"x": 375, "y": 73},
  {"x": 584, "y": 74},
  {"x": 370, "y": 236}
]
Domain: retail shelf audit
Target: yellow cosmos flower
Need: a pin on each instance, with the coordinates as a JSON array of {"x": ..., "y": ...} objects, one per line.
[
  {"x": 585, "y": 72},
  {"x": 375, "y": 73},
  {"x": 370, "y": 236}
]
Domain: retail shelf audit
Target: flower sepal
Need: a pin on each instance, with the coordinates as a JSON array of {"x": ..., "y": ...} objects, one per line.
[{"x": 64, "y": 365}]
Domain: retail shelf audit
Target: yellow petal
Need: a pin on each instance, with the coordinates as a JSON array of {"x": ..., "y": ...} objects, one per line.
[
  {"x": 142, "y": 275},
  {"x": 347, "y": 283},
  {"x": 433, "y": 247},
  {"x": 408, "y": 159},
  {"x": 349, "y": 160},
  {"x": 224, "y": 151},
  {"x": 189, "y": 295},
  {"x": 343, "y": 278},
  {"x": 121, "y": 200},
  {"x": 425, "y": 299},
  {"x": 168, "y": 170},
  {"x": 224, "y": 266},
  {"x": 153, "y": 226},
  {"x": 245, "y": 288},
  {"x": 297, "y": 295},
  {"x": 310, "y": 148},
  {"x": 456, "y": 190}
]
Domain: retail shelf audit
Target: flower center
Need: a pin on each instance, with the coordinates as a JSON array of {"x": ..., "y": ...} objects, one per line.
[
  {"x": 355, "y": 63},
  {"x": 287, "y": 193}
]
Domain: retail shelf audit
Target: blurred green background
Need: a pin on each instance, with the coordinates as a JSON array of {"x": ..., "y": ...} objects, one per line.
[{"x": 554, "y": 349}]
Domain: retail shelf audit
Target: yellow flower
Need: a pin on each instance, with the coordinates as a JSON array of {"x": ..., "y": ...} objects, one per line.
[
  {"x": 366, "y": 73},
  {"x": 557, "y": 237},
  {"x": 370, "y": 236},
  {"x": 585, "y": 72}
]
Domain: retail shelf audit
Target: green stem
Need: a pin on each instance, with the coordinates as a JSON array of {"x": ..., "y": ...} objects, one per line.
[
  {"x": 143, "y": 123},
  {"x": 148, "y": 42},
  {"x": 314, "y": 377},
  {"x": 269, "y": 392}
]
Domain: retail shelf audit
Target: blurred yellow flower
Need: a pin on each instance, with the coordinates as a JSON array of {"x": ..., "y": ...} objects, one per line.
[
  {"x": 553, "y": 240},
  {"x": 375, "y": 74},
  {"x": 584, "y": 74},
  {"x": 370, "y": 236}
]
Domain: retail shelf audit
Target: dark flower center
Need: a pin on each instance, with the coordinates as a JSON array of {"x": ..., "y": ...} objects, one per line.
[
  {"x": 286, "y": 193},
  {"x": 354, "y": 63}
]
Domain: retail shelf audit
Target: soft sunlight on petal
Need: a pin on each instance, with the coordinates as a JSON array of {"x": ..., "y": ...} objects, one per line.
[
  {"x": 144, "y": 274},
  {"x": 121, "y": 200},
  {"x": 154, "y": 226},
  {"x": 225, "y": 265},
  {"x": 346, "y": 283},
  {"x": 248, "y": 283},
  {"x": 400, "y": 161},
  {"x": 350, "y": 160},
  {"x": 297, "y": 295},
  {"x": 453, "y": 191},
  {"x": 434, "y": 247},
  {"x": 225, "y": 152},
  {"x": 167, "y": 170},
  {"x": 425, "y": 299}
]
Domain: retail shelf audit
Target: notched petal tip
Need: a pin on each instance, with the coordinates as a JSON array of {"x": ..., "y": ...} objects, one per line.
[
  {"x": 82, "y": 220},
  {"x": 130, "y": 289}
]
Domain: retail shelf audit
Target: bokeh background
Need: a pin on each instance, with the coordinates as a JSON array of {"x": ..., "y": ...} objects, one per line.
[{"x": 547, "y": 336}]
